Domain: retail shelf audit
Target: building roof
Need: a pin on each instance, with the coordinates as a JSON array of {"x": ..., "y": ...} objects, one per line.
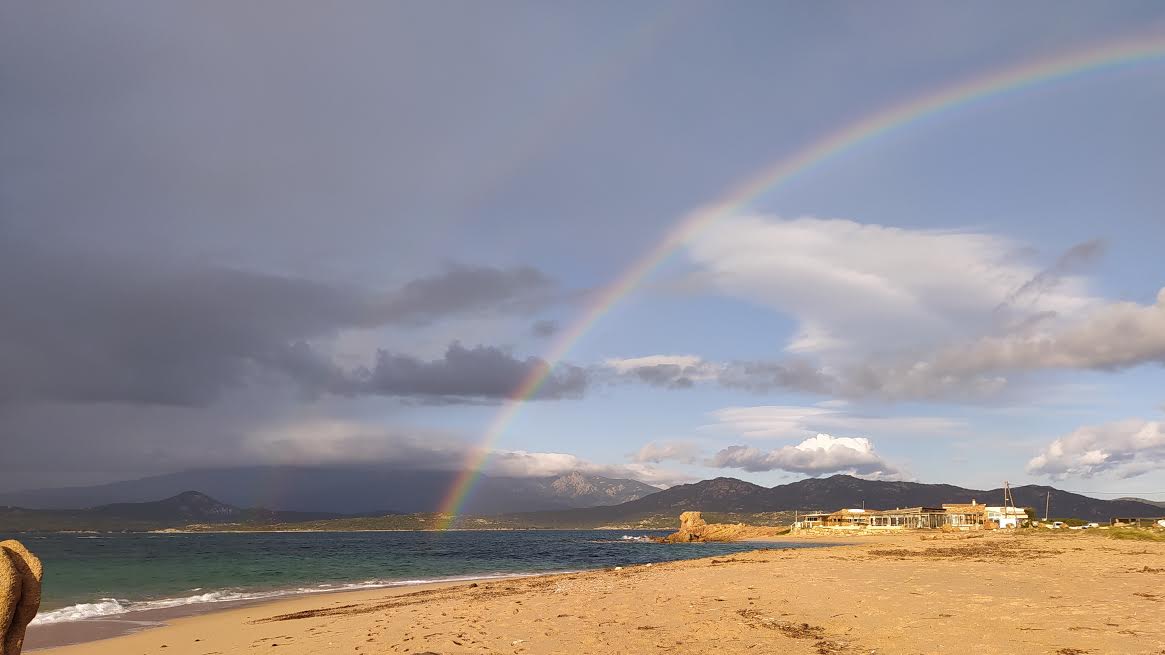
[{"x": 964, "y": 508}]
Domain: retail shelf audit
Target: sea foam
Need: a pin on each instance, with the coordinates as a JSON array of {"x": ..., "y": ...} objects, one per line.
[{"x": 112, "y": 607}]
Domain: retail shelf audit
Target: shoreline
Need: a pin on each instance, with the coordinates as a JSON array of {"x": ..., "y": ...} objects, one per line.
[
  {"x": 887, "y": 593},
  {"x": 95, "y": 628},
  {"x": 899, "y": 593},
  {"x": 70, "y": 632},
  {"x": 47, "y": 636}
]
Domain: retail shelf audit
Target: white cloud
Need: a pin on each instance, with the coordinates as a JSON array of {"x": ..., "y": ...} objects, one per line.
[
  {"x": 815, "y": 455},
  {"x": 1124, "y": 448},
  {"x": 674, "y": 371},
  {"x": 633, "y": 363},
  {"x": 660, "y": 451},
  {"x": 854, "y": 286},
  {"x": 526, "y": 464},
  {"x": 785, "y": 421}
]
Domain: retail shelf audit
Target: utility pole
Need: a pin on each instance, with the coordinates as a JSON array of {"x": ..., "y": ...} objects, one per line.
[
  {"x": 1008, "y": 504},
  {"x": 1047, "y": 505}
]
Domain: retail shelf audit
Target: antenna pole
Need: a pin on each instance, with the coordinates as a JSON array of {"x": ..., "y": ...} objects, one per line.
[{"x": 1047, "y": 505}]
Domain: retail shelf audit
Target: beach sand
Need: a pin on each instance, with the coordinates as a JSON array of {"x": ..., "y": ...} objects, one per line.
[{"x": 1063, "y": 594}]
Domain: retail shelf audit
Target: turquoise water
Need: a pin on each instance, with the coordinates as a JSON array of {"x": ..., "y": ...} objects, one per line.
[{"x": 109, "y": 574}]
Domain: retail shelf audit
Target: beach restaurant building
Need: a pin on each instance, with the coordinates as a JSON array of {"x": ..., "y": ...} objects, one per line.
[
  {"x": 916, "y": 518},
  {"x": 958, "y": 516}
]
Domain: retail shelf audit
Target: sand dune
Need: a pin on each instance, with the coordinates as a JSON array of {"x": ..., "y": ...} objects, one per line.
[{"x": 1061, "y": 594}]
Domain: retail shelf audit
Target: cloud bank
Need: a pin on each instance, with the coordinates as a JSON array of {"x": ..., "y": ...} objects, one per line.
[
  {"x": 861, "y": 287},
  {"x": 899, "y": 314},
  {"x": 1104, "y": 336},
  {"x": 1124, "y": 449},
  {"x": 91, "y": 329}
]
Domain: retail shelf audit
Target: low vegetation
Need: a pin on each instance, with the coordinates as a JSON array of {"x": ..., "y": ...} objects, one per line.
[{"x": 1137, "y": 534}]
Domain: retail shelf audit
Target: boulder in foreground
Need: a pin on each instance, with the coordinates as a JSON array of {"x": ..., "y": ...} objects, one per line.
[{"x": 20, "y": 576}]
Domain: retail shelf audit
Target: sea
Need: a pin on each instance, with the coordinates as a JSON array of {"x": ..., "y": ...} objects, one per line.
[{"x": 89, "y": 576}]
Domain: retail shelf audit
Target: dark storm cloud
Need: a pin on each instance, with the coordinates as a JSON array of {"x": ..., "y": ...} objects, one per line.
[
  {"x": 466, "y": 373},
  {"x": 86, "y": 329}
]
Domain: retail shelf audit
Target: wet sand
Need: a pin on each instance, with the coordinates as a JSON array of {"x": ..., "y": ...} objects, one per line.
[{"x": 1063, "y": 594}]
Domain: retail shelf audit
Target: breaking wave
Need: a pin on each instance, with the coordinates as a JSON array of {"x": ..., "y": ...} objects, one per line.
[{"x": 107, "y": 607}]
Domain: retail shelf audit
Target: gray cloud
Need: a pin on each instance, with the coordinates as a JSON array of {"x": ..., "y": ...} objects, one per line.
[
  {"x": 672, "y": 376},
  {"x": 472, "y": 290},
  {"x": 478, "y": 373},
  {"x": 794, "y": 373},
  {"x": 1108, "y": 337},
  {"x": 88, "y": 329},
  {"x": 545, "y": 328},
  {"x": 1047, "y": 279}
]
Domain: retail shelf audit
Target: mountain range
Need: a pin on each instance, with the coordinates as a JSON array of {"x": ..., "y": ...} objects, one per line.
[
  {"x": 729, "y": 495},
  {"x": 347, "y": 490},
  {"x": 559, "y": 502},
  {"x": 188, "y": 507}
]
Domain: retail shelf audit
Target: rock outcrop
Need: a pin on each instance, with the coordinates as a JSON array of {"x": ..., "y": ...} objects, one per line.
[
  {"x": 20, "y": 576},
  {"x": 693, "y": 527}
]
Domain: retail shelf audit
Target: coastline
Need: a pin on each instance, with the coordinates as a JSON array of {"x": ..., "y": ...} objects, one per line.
[
  {"x": 900, "y": 593},
  {"x": 91, "y": 628},
  {"x": 48, "y": 637}
]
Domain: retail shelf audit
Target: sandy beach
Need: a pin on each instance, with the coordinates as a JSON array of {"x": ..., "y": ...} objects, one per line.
[{"x": 1063, "y": 594}]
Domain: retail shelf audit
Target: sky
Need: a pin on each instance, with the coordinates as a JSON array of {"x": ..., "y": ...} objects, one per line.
[{"x": 345, "y": 234}]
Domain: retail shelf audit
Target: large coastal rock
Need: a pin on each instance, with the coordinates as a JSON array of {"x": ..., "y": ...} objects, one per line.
[
  {"x": 20, "y": 577},
  {"x": 693, "y": 527}
]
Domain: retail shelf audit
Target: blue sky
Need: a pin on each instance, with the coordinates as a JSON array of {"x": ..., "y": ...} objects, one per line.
[{"x": 218, "y": 215}]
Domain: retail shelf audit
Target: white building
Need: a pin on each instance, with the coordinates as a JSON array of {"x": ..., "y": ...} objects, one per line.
[{"x": 1006, "y": 517}]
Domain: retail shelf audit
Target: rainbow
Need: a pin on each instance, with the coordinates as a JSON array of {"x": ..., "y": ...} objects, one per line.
[{"x": 1018, "y": 78}]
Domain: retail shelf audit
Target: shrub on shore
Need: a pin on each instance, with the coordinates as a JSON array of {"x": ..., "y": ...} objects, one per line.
[{"x": 1138, "y": 534}]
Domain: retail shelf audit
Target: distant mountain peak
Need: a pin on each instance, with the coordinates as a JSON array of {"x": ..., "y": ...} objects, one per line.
[
  {"x": 191, "y": 497},
  {"x": 193, "y": 505},
  {"x": 574, "y": 482},
  {"x": 596, "y": 489}
]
